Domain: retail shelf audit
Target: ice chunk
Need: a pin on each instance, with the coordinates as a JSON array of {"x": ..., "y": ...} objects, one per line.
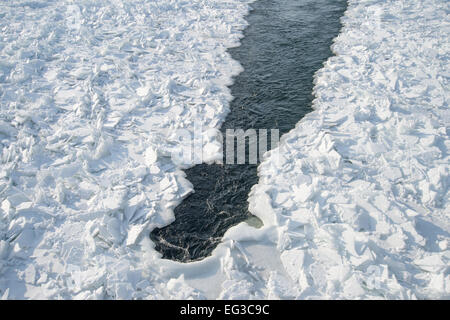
[
  {"x": 303, "y": 192},
  {"x": 133, "y": 234},
  {"x": 4, "y": 248},
  {"x": 293, "y": 263},
  {"x": 5, "y": 295},
  {"x": 7, "y": 129},
  {"x": 30, "y": 274},
  {"x": 353, "y": 288},
  {"x": 150, "y": 156},
  {"x": 431, "y": 263}
]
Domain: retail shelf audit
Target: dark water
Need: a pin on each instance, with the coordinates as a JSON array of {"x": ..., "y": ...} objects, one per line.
[{"x": 286, "y": 42}]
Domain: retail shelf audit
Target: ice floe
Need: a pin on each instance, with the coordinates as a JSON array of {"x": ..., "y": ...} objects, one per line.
[
  {"x": 91, "y": 93},
  {"x": 362, "y": 204},
  {"x": 354, "y": 201}
]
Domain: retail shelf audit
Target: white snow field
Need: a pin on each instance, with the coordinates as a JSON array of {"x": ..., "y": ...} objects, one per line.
[
  {"x": 354, "y": 202},
  {"x": 360, "y": 194}
]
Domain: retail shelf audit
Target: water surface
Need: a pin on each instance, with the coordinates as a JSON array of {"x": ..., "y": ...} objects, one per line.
[{"x": 286, "y": 42}]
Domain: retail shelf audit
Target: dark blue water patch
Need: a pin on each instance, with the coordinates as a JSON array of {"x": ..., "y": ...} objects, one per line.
[{"x": 286, "y": 42}]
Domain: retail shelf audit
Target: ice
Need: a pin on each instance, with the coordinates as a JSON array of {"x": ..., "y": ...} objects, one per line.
[
  {"x": 7, "y": 129},
  {"x": 5, "y": 295},
  {"x": 150, "y": 157},
  {"x": 432, "y": 263},
  {"x": 77, "y": 84},
  {"x": 293, "y": 261},
  {"x": 179, "y": 289},
  {"x": 30, "y": 274},
  {"x": 354, "y": 202},
  {"x": 377, "y": 171},
  {"x": 303, "y": 192},
  {"x": 133, "y": 234}
]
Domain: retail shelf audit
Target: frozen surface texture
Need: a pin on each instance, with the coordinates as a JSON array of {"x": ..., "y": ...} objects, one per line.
[
  {"x": 360, "y": 191},
  {"x": 85, "y": 88},
  {"x": 356, "y": 207}
]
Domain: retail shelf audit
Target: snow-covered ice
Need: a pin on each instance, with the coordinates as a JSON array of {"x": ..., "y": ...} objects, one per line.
[
  {"x": 85, "y": 89},
  {"x": 368, "y": 212},
  {"x": 355, "y": 206}
]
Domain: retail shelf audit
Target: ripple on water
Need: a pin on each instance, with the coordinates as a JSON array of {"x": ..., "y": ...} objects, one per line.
[{"x": 286, "y": 42}]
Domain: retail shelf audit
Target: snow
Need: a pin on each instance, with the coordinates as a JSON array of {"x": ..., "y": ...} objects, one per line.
[
  {"x": 85, "y": 88},
  {"x": 354, "y": 200},
  {"x": 375, "y": 151}
]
